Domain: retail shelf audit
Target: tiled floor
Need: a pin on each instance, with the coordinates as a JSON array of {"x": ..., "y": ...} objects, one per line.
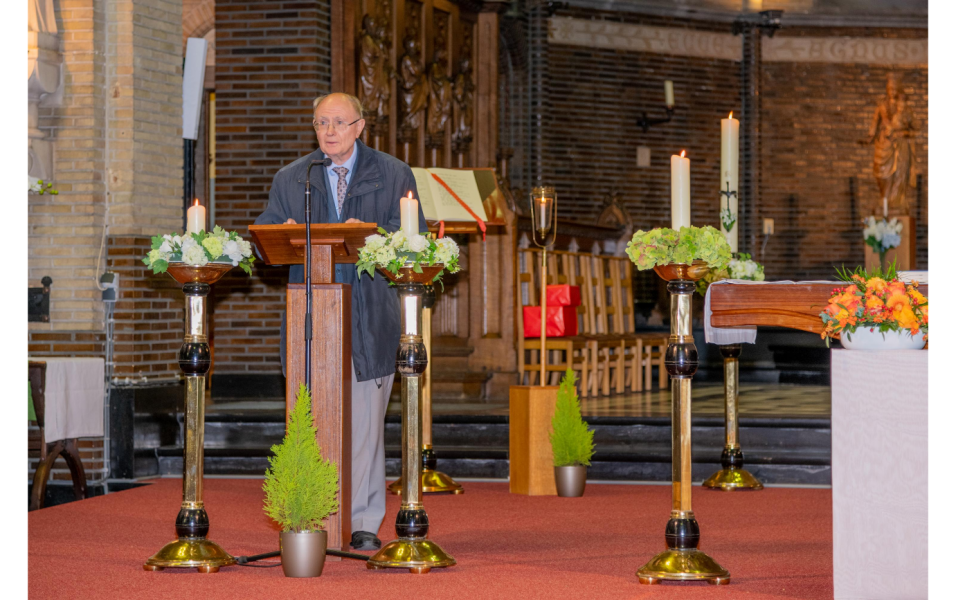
[{"x": 756, "y": 400}]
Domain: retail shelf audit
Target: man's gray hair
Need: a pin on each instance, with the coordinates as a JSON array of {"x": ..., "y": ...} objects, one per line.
[{"x": 355, "y": 102}]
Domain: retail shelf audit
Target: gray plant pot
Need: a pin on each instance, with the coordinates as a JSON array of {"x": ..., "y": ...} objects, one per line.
[
  {"x": 570, "y": 480},
  {"x": 303, "y": 554}
]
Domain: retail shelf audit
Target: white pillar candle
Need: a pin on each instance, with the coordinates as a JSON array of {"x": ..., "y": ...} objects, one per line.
[
  {"x": 409, "y": 207},
  {"x": 729, "y": 158},
  {"x": 680, "y": 191},
  {"x": 668, "y": 93},
  {"x": 196, "y": 218}
]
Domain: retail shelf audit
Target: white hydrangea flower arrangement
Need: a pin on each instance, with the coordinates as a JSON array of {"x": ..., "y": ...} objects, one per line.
[
  {"x": 198, "y": 249},
  {"x": 741, "y": 266},
  {"x": 882, "y": 235},
  {"x": 392, "y": 251}
]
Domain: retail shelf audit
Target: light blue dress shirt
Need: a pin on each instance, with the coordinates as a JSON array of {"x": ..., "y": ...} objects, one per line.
[{"x": 333, "y": 178}]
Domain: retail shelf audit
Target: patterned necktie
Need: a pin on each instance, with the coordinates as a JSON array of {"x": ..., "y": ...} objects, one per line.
[{"x": 340, "y": 188}]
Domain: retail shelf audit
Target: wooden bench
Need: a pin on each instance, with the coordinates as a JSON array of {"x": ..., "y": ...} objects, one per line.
[{"x": 50, "y": 451}]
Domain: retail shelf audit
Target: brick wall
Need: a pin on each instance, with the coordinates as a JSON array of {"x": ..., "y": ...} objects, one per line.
[
  {"x": 272, "y": 59},
  {"x": 597, "y": 96},
  {"x": 117, "y": 158},
  {"x": 149, "y": 314},
  {"x": 65, "y": 230},
  {"x": 813, "y": 116},
  {"x": 117, "y": 147}
]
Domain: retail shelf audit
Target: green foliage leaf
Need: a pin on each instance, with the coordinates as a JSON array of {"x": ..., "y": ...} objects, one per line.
[
  {"x": 301, "y": 488},
  {"x": 160, "y": 266},
  {"x": 572, "y": 443}
]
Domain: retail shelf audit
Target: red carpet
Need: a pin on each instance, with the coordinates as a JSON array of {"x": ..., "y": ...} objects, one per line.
[{"x": 776, "y": 544}]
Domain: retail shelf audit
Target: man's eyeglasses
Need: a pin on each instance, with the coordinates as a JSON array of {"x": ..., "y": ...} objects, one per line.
[{"x": 338, "y": 124}]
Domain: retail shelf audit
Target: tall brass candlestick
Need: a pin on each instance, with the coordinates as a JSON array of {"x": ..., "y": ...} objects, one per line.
[
  {"x": 544, "y": 230},
  {"x": 192, "y": 549},
  {"x": 433, "y": 480},
  {"x": 412, "y": 550},
  {"x": 682, "y": 561},
  {"x": 732, "y": 476}
]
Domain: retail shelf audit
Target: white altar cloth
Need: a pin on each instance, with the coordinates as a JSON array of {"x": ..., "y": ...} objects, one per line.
[
  {"x": 74, "y": 396},
  {"x": 880, "y": 477}
]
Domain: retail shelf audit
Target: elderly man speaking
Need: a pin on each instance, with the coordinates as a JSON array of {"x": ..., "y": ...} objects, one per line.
[{"x": 361, "y": 185}]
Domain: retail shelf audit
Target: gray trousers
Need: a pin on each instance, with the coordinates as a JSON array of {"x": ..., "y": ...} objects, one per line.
[{"x": 369, "y": 401}]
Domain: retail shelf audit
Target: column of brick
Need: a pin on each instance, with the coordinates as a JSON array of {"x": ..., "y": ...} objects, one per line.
[{"x": 272, "y": 59}]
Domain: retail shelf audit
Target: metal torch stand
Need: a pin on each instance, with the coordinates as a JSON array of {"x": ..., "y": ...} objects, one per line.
[
  {"x": 192, "y": 549},
  {"x": 433, "y": 480},
  {"x": 682, "y": 561},
  {"x": 412, "y": 550},
  {"x": 732, "y": 476}
]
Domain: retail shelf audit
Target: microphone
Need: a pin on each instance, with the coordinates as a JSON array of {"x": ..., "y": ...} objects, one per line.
[{"x": 325, "y": 162}]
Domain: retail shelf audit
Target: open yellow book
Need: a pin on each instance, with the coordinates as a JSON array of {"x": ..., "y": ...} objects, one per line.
[{"x": 438, "y": 204}]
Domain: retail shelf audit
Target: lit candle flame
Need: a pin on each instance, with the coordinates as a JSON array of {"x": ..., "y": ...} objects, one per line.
[
  {"x": 731, "y": 115},
  {"x": 682, "y": 153},
  {"x": 196, "y": 203},
  {"x": 409, "y": 194}
]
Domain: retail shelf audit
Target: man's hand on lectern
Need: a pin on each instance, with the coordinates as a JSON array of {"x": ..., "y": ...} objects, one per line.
[
  {"x": 289, "y": 222},
  {"x": 353, "y": 221}
]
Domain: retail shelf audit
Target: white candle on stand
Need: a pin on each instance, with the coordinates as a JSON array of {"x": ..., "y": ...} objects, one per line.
[
  {"x": 729, "y": 158},
  {"x": 196, "y": 218},
  {"x": 409, "y": 207},
  {"x": 668, "y": 93},
  {"x": 680, "y": 191}
]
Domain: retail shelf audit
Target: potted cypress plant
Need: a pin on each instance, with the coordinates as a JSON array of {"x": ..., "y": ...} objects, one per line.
[
  {"x": 572, "y": 443},
  {"x": 301, "y": 492}
]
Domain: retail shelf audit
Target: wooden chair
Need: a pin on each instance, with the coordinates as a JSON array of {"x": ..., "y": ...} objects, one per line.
[
  {"x": 644, "y": 350},
  {"x": 609, "y": 345},
  {"x": 572, "y": 351},
  {"x": 50, "y": 451}
]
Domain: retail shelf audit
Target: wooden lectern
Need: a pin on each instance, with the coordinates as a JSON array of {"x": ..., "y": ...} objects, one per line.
[{"x": 331, "y": 383}]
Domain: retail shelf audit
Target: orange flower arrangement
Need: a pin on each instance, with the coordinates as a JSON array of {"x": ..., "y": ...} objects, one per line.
[{"x": 876, "y": 301}]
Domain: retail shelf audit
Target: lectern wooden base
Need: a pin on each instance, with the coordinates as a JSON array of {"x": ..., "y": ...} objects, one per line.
[
  {"x": 531, "y": 465},
  {"x": 331, "y": 384},
  {"x": 331, "y": 368}
]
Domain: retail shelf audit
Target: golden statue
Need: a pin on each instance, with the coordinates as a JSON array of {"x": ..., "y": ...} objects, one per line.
[
  {"x": 374, "y": 71},
  {"x": 439, "y": 98},
  {"x": 891, "y": 133}
]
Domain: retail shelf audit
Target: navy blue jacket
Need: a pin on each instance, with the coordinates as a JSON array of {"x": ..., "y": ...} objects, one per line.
[{"x": 373, "y": 194}]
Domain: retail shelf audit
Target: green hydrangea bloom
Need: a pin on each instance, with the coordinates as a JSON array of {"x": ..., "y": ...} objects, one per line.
[{"x": 214, "y": 246}]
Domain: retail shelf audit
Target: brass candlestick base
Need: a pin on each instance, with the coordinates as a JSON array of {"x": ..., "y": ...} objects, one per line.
[
  {"x": 676, "y": 564},
  {"x": 412, "y": 550},
  {"x": 192, "y": 549},
  {"x": 205, "y": 555},
  {"x": 418, "y": 556},
  {"x": 433, "y": 482},
  {"x": 682, "y": 561},
  {"x": 732, "y": 476},
  {"x": 731, "y": 479}
]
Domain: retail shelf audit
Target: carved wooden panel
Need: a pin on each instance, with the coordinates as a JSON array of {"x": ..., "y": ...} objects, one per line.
[{"x": 426, "y": 72}]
